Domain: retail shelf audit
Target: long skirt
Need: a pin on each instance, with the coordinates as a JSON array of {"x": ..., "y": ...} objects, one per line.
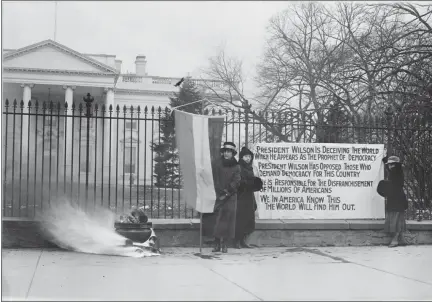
[
  {"x": 225, "y": 215},
  {"x": 245, "y": 215},
  {"x": 395, "y": 222}
]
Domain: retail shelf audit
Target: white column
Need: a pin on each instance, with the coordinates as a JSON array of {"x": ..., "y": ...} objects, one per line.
[
  {"x": 109, "y": 100},
  {"x": 25, "y": 119},
  {"x": 68, "y": 125}
]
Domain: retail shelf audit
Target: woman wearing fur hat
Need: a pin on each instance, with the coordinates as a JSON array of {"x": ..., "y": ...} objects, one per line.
[
  {"x": 246, "y": 203},
  {"x": 397, "y": 202},
  {"x": 227, "y": 180}
]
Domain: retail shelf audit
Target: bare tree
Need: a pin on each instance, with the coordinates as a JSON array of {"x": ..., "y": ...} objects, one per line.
[{"x": 229, "y": 72}]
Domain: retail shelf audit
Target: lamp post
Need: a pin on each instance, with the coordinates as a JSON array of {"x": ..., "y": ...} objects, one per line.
[{"x": 88, "y": 99}]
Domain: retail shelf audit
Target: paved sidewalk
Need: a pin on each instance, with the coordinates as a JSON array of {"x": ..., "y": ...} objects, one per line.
[{"x": 351, "y": 273}]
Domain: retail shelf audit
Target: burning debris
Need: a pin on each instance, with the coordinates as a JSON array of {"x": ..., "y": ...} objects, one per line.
[{"x": 92, "y": 231}]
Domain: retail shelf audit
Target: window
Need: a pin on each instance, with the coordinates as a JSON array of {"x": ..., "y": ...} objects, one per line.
[
  {"x": 131, "y": 125},
  {"x": 130, "y": 162}
]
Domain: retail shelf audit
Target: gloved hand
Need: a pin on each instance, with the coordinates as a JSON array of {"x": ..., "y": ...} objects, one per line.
[{"x": 224, "y": 195}]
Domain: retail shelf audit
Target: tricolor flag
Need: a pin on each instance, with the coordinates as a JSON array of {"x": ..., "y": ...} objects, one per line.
[{"x": 199, "y": 139}]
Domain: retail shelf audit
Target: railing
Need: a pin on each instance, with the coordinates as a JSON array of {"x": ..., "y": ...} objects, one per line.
[
  {"x": 163, "y": 81},
  {"x": 170, "y": 81},
  {"x": 123, "y": 157},
  {"x": 131, "y": 79}
]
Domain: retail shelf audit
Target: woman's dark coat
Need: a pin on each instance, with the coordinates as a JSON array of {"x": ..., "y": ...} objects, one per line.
[
  {"x": 246, "y": 203},
  {"x": 396, "y": 198},
  {"x": 226, "y": 176}
]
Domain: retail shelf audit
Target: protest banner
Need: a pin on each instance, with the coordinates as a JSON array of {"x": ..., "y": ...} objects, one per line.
[{"x": 319, "y": 181}]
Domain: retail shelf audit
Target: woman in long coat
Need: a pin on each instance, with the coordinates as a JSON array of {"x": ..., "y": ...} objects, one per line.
[
  {"x": 227, "y": 180},
  {"x": 246, "y": 203},
  {"x": 397, "y": 202}
]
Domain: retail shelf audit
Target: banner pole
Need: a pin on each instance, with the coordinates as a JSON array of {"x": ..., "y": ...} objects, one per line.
[
  {"x": 201, "y": 215},
  {"x": 201, "y": 219}
]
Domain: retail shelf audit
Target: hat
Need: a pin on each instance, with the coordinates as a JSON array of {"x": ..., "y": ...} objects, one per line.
[
  {"x": 393, "y": 159},
  {"x": 245, "y": 151},
  {"x": 229, "y": 146}
]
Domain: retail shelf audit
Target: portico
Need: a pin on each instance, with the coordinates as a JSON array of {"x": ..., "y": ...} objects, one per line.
[{"x": 50, "y": 72}]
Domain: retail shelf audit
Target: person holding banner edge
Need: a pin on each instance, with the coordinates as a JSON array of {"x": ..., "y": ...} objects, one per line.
[
  {"x": 397, "y": 202},
  {"x": 246, "y": 203},
  {"x": 227, "y": 180}
]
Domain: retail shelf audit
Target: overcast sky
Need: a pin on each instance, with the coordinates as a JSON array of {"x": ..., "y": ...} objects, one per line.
[{"x": 177, "y": 37}]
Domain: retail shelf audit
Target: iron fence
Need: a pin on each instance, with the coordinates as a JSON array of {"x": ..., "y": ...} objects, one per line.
[{"x": 125, "y": 157}]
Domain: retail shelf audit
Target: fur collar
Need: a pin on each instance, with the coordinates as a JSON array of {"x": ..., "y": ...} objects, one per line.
[{"x": 229, "y": 162}]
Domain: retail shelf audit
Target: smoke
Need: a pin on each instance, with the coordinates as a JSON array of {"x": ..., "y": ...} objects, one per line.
[{"x": 91, "y": 231}]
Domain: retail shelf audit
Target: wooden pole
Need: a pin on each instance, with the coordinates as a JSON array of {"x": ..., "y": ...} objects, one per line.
[
  {"x": 201, "y": 214},
  {"x": 201, "y": 220}
]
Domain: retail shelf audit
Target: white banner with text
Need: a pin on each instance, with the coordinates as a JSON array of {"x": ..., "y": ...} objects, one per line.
[{"x": 319, "y": 181}]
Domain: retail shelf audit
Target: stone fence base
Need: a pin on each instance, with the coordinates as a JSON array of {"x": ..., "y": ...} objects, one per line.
[{"x": 25, "y": 233}]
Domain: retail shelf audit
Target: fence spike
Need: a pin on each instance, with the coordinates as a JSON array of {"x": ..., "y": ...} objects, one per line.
[
  {"x": 131, "y": 109},
  {"x": 110, "y": 108},
  {"x": 22, "y": 104},
  {"x": 213, "y": 111},
  {"x": 103, "y": 108},
  {"x": 73, "y": 106},
  {"x": 58, "y": 106},
  {"x": 145, "y": 109},
  {"x": 44, "y": 105},
  {"x": 80, "y": 107},
  {"x": 159, "y": 110},
  {"x": 139, "y": 109},
  {"x": 152, "y": 109},
  {"x": 37, "y": 105},
  {"x": 118, "y": 109},
  {"x": 29, "y": 104},
  {"x": 7, "y": 103},
  {"x": 96, "y": 107},
  {"x": 66, "y": 105},
  {"x": 51, "y": 105},
  {"x": 15, "y": 104}
]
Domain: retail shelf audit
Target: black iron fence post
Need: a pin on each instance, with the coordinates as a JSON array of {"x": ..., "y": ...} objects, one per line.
[{"x": 88, "y": 100}]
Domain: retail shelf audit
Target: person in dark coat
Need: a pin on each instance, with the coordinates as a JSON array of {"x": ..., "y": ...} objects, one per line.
[
  {"x": 246, "y": 203},
  {"x": 227, "y": 180},
  {"x": 397, "y": 202}
]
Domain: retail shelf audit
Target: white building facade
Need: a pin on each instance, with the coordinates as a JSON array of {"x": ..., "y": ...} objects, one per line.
[{"x": 50, "y": 144}]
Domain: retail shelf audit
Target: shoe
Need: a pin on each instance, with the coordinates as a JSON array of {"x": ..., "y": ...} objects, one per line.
[
  {"x": 394, "y": 243},
  {"x": 224, "y": 248},
  {"x": 217, "y": 247}
]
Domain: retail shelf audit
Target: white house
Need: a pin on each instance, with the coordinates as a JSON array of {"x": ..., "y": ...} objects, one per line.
[{"x": 50, "y": 71}]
